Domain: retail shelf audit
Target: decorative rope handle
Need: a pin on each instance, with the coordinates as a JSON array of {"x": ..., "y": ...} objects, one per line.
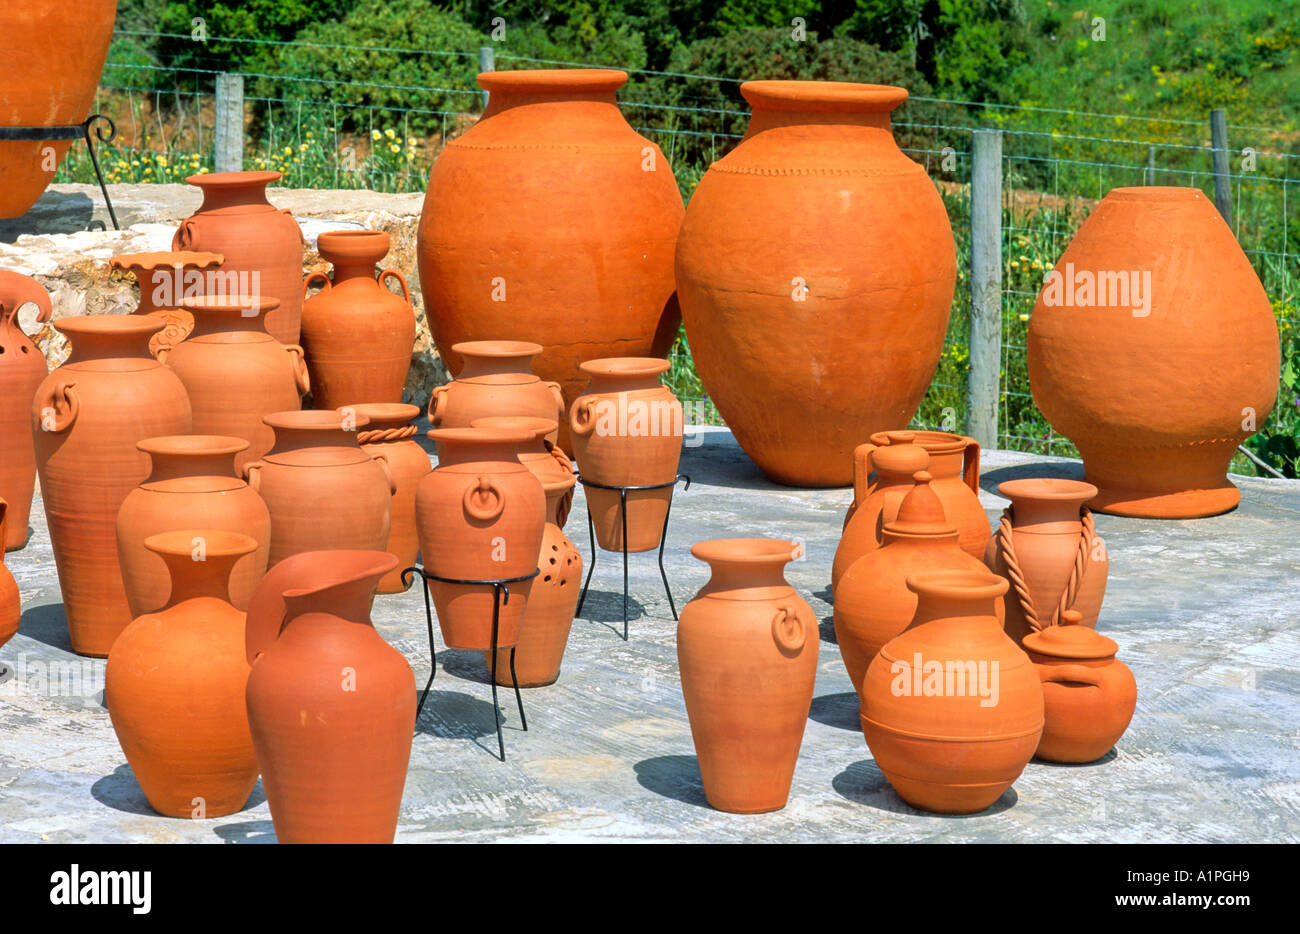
[
  {"x": 483, "y": 501},
  {"x": 401, "y": 280},
  {"x": 326, "y": 283},
  {"x": 253, "y": 475},
  {"x": 382, "y": 460},
  {"x": 300, "y": 374},
  {"x": 558, "y": 453},
  {"x": 382, "y": 435},
  {"x": 582, "y": 420},
  {"x": 1007, "y": 551},
  {"x": 61, "y": 408},
  {"x": 437, "y": 410},
  {"x": 788, "y": 629}
]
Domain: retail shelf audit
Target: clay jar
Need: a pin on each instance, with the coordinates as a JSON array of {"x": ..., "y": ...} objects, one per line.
[
  {"x": 389, "y": 434},
  {"x": 174, "y": 683},
  {"x": 951, "y": 709},
  {"x": 193, "y": 486},
  {"x": 22, "y": 367},
  {"x": 356, "y": 333},
  {"x": 322, "y": 490},
  {"x": 815, "y": 259},
  {"x": 1048, "y": 549},
  {"x": 495, "y": 379},
  {"x": 235, "y": 372},
  {"x": 262, "y": 246},
  {"x": 11, "y": 610},
  {"x": 875, "y": 503},
  {"x": 1155, "y": 350},
  {"x": 627, "y": 431},
  {"x": 165, "y": 280},
  {"x": 480, "y": 516},
  {"x": 955, "y": 469},
  {"x": 747, "y": 650},
  {"x": 88, "y": 417},
  {"x": 330, "y": 703}
]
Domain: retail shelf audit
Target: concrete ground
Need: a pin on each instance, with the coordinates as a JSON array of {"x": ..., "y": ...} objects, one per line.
[{"x": 1206, "y": 612}]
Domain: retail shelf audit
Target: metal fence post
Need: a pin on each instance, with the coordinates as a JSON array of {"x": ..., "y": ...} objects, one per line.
[
  {"x": 1219, "y": 140},
  {"x": 486, "y": 62},
  {"x": 985, "y": 287},
  {"x": 228, "y": 154}
]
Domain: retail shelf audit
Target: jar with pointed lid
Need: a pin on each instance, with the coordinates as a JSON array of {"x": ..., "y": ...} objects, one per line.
[
  {"x": 955, "y": 466},
  {"x": 875, "y": 502}
]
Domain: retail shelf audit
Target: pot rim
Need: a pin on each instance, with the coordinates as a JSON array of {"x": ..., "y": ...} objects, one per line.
[
  {"x": 228, "y": 303},
  {"x": 1157, "y": 193},
  {"x": 747, "y": 550},
  {"x": 553, "y": 80},
  {"x": 149, "y": 262},
  {"x": 387, "y": 412},
  {"x": 481, "y": 435},
  {"x": 960, "y": 584},
  {"x": 1046, "y": 489},
  {"x": 497, "y": 349},
  {"x": 233, "y": 179},
  {"x": 127, "y": 324},
  {"x": 218, "y": 543},
  {"x": 845, "y": 96},
  {"x": 196, "y": 445},
  {"x": 311, "y": 419},
  {"x": 535, "y": 426},
  {"x": 625, "y": 366}
]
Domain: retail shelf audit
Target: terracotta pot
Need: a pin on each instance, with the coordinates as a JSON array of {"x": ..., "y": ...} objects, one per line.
[
  {"x": 1200, "y": 349},
  {"x": 330, "y": 703},
  {"x": 815, "y": 259},
  {"x": 88, "y": 417},
  {"x": 547, "y": 462},
  {"x": 324, "y": 493},
  {"x": 1047, "y": 548},
  {"x": 627, "y": 431},
  {"x": 955, "y": 467},
  {"x": 952, "y": 738},
  {"x": 495, "y": 380},
  {"x": 193, "y": 486},
  {"x": 11, "y": 610},
  {"x": 174, "y": 683},
  {"x": 480, "y": 516},
  {"x": 747, "y": 650},
  {"x": 389, "y": 434},
  {"x": 235, "y": 372},
  {"x": 576, "y": 252},
  {"x": 358, "y": 335},
  {"x": 54, "y": 53},
  {"x": 263, "y": 246},
  {"x": 165, "y": 280},
  {"x": 22, "y": 367}
]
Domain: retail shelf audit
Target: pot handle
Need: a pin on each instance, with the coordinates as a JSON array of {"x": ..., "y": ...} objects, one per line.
[
  {"x": 788, "y": 630},
  {"x": 1081, "y": 674},
  {"x": 253, "y": 475},
  {"x": 382, "y": 460},
  {"x": 970, "y": 471},
  {"x": 325, "y": 285},
  {"x": 186, "y": 236},
  {"x": 61, "y": 406},
  {"x": 582, "y": 419},
  {"x": 438, "y": 405},
  {"x": 161, "y": 353},
  {"x": 4, "y": 528},
  {"x": 474, "y": 498},
  {"x": 861, "y": 470},
  {"x": 558, "y": 393},
  {"x": 560, "y": 457},
  {"x": 289, "y": 214},
  {"x": 26, "y": 294},
  {"x": 300, "y": 374},
  {"x": 401, "y": 280}
]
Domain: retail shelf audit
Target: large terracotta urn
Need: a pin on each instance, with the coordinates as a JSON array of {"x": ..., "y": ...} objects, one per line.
[
  {"x": 815, "y": 269},
  {"x": 495, "y": 379},
  {"x": 10, "y": 602},
  {"x": 1153, "y": 347},
  {"x": 166, "y": 280},
  {"x": 875, "y": 502},
  {"x": 389, "y": 434},
  {"x": 22, "y": 367}
]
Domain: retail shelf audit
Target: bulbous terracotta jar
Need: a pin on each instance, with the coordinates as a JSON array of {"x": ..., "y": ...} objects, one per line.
[
  {"x": 357, "y": 334},
  {"x": 747, "y": 649},
  {"x": 955, "y": 469},
  {"x": 330, "y": 703},
  {"x": 875, "y": 503},
  {"x": 1048, "y": 549},
  {"x": 258, "y": 242},
  {"x": 495, "y": 379},
  {"x": 1154, "y": 349},
  {"x": 165, "y": 280},
  {"x": 815, "y": 259},
  {"x": 88, "y": 417},
  {"x": 174, "y": 683},
  {"x": 193, "y": 485},
  {"x": 22, "y": 367},
  {"x": 11, "y": 610},
  {"x": 389, "y": 434},
  {"x": 951, "y": 708}
]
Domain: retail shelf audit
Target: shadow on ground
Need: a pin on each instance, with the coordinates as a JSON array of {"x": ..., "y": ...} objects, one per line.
[
  {"x": 863, "y": 783},
  {"x": 47, "y": 623},
  {"x": 675, "y": 777},
  {"x": 121, "y": 792},
  {"x": 837, "y": 710}
]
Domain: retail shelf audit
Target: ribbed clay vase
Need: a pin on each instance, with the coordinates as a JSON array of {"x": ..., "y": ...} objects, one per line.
[
  {"x": 22, "y": 367},
  {"x": 165, "y": 280},
  {"x": 747, "y": 649},
  {"x": 356, "y": 332},
  {"x": 1155, "y": 350},
  {"x": 627, "y": 431},
  {"x": 175, "y": 679},
  {"x": 88, "y": 417},
  {"x": 11, "y": 610},
  {"x": 815, "y": 259},
  {"x": 330, "y": 703},
  {"x": 875, "y": 502},
  {"x": 1047, "y": 547},
  {"x": 495, "y": 379},
  {"x": 193, "y": 485},
  {"x": 951, "y": 709},
  {"x": 577, "y": 252},
  {"x": 262, "y": 246},
  {"x": 389, "y": 433}
]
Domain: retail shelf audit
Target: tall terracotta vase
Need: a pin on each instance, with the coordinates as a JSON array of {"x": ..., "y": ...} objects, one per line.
[
  {"x": 88, "y": 417},
  {"x": 175, "y": 679},
  {"x": 389, "y": 435},
  {"x": 495, "y": 379},
  {"x": 165, "y": 280},
  {"x": 22, "y": 367},
  {"x": 815, "y": 268},
  {"x": 262, "y": 246},
  {"x": 1154, "y": 349},
  {"x": 330, "y": 703},
  {"x": 747, "y": 649},
  {"x": 875, "y": 503},
  {"x": 11, "y": 610},
  {"x": 955, "y": 467}
]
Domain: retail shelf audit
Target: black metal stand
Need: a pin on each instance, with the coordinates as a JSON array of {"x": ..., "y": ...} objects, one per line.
[
  {"x": 500, "y": 595},
  {"x": 663, "y": 537},
  {"x": 37, "y": 134}
]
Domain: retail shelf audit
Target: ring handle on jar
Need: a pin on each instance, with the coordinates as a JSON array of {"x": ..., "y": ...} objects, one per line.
[
  {"x": 61, "y": 407},
  {"x": 1080, "y": 674},
  {"x": 382, "y": 460},
  {"x": 861, "y": 471},
  {"x": 325, "y": 285},
  {"x": 401, "y": 280},
  {"x": 253, "y": 475},
  {"x": 300, "y": 374},
  {"x": 186, "y": 236},
  {"x": 582, "y": 420},
  {"x": 970, "y": 471},
  {"x": 483, "y": 501},
  {"x": 437, "y": 405},
  {"x": 788, "y": 629}
]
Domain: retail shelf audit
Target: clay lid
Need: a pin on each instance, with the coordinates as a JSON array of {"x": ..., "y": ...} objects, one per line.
[
  {"x": 148, "y": 262},
  {"x": 232, "y": 179},
  {"x": 902, "y": 460},
  {"x": 553, "y": 80},
  {"x": 1071, "y": 639},
  {"x": 356, "y": 246},
  {"x": 822, "y": 95},
  {"x": 625, "y": 366},
  {"x": 921, "y": 512}
]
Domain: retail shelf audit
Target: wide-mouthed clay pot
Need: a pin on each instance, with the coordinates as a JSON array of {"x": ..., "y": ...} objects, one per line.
[
  {"x": 10, "y": 602},
  {"x": 390, "y": 434},
  {"x": 955, "y": 468},
  {"x": 495, "y": 379},
  {"x": 166, "y": 280},
  {"x": 22, "y": 367},
  {"x": 875, "y": 502}
]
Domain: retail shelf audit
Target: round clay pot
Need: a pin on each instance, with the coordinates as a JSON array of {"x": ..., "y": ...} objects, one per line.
[
  {"x": 262, "y": 246},
  {"x": 1047, "y": 548},
  {"x": 324, "y": 493},
  {"x": 747, "y": 650},
  {"x": 955, "y": 467},
  {"x": 357, "y": 334},
  {"x": 22, "y": 367},
  {"x": 11, "y": 610},
  {"x": 174, "y": 683},
  {"x": 1156, "y": 393},
  {"x": 627, "y": 431},
  {"x": 330, "y": 703},
  {"x": 88, "y": 417},
  {"x": 576, "y": 251},
  {"x": 875, "y": 503},
  {"x": 165, "y": 280},
  {"x": 939, "y": 732},
  {"x": 193, "y": 486},
  {"x": 495, "y": 380},
  {"x": 545, "y": 459},
  {"x": 815, "y": 259},
  {"x": 389, "y": 434}
]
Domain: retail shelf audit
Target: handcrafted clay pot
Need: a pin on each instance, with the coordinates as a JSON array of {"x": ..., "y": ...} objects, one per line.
[
  {"x": 10, "y": 604},
  {"x": 747, "y": 650},
  {"x": 262, "y": 246},
  {"x": 324, "y": 493},
  {"x": 165, "y": 280},
  {"x": 357, "y": 334},
  {"x": 495, "y": 380},
  {"x": 815, "y": 268},
  {"x": 389, "y": 434},
  {"x": 951, "y": 709},
  {"x": 330, "y": 703},
  {"x": 235, "y": 372},
  {"x": 576, "y": 252},
  {"x": 480, "y": 516},
  {"x": 88, "y": 417},
  {"x": 54, "y": 53},
  {"x": 1088, "y": 695},
  {"x": 1154, "y": 349},
  {"x": 193, "y": 486},
  {"x": 1047, "y": 548},
  {"x": 955, "y": 467},
  {"x": 22, "y": 367},
  {"x": 627, "y": 431},
  {"x": 174, "y": 683}
]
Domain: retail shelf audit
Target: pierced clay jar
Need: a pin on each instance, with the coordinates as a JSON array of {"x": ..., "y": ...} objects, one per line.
[
  {"x": 11, "y": 610},
  {"x": 955, "y": 467},
  {"x": 165, "y": 280},
  {"x": 875, "y": 503},
  {"x": 389, "y": 434},
  {"x": 22, "y": 367},
  {"x": 495, "y": 379}
]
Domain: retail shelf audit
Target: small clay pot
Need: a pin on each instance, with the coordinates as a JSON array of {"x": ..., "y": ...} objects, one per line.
[
  {"x": 11, "y": 610},
  {"x": 495, "y": 379},
  {"x": 955, "y": 467},
  {"x": 22, "y": 367},
  {"x": 875, "y": 503},
  {"x": 165, "y": 280},
  {"x": 389, "y": 434}
]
